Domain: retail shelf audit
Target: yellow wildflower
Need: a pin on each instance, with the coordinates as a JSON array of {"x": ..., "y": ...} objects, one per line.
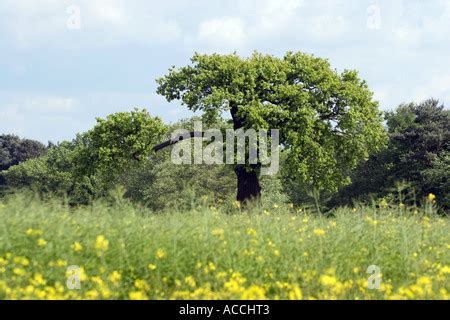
[
  {"x": 319, "y": 232},
  {"x": 444, "y": 270},
  {"x": 92, "y": 294},
  {"x": 141, "y": 284},
  {"x": 424, "y": 281},
  {"x": 19, "y": 271},
  {"x": 101, "y": 243},
  {"x": 190, "y": 281},
  {"x": 38, "y": 280},
  {"x": 383, "y": 203},
  {"x": 295, "y": 293},
  {"x": 217, "y": 232},
  {"x": 137, "y": 295},
  {"x": 33, "y": 232},
  {"x": 160, "y": 254},
  {"x": 115, "y": 277},
  {"x": 41, "y": 242},
  {"x": 61, "y": 263},
  {"x": 328, "y": 280},
  {"x": 21, "y": 260},
  {"x": 76, "y": 246},
  {"x": 254, "y": 293}
]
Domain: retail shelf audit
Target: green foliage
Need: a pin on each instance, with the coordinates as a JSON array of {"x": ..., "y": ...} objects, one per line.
[
  {"x": 273, "y": 192},
  {"x": 417, "y": 153},
  {"x": 416, "y": 145},
  {"x": 166, "y": 185},
  {"x": 328, "y": 120},
  {"x": 437, "y": 179},
  {"x": 54, "y": 173},
  {"x": 115, "y": 142},
  {"x": 161, "y": 184},
  {"x": 14, "y": 150},
  {"x": 91, "y": 164}
]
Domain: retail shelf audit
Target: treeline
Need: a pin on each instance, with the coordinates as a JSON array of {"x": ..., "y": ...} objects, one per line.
[{"x": 414, "y": 164}]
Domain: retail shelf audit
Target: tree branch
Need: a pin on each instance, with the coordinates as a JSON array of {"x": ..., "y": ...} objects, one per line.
[{"x": 177, "y": 138}]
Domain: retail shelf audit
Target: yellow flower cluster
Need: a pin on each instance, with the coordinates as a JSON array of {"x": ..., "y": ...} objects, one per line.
[
  {"x": 21, "y": 282},
  {"x": 76, "y": 246},
  {"x": 101, "y": 244},
  {"x": 160, "y": 254},
  {"x": 275, "y": 255},
  {"x": 319, "y": 232}
]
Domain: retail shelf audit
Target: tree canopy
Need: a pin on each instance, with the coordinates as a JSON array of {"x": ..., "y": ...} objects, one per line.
[
  {"x": 329, "y": 126},
  {"x": 14, "y": 150},
  {"x": 122, "y": 137},
  {"x": 418, "y": 153},
  {"x": 329, "y": 121},
  {"x": 88, "y": 166}
]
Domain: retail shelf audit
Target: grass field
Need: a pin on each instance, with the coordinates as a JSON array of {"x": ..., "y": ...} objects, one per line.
[{"x": 283, "y": 253}]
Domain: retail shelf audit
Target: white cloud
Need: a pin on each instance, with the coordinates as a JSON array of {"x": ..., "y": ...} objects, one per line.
[
  {"x": 437, "y": 87},
  {"x": 225, "y": 32},
  {"x": 25, "y": 102},
  {"x": 327, "y": 26},
  {"x": 12, "y": 120},
  {"x": 380, "y": 94},
  {"x": 28, "y": 24},
  {"x": 37, "y": 116},
  {"x": 52, "y": 104},
  {"x": 415, "y": 24},
  {"x": 263, "y": 21},
  {"x": 108, "y": 12},
  {"x": 51, "y": 117},
  {"x": 120, "y": 22},
  {"x": 271, "y": 16}
]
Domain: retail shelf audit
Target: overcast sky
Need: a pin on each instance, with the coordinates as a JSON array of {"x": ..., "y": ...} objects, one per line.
[{"x": 63, "y": 63}]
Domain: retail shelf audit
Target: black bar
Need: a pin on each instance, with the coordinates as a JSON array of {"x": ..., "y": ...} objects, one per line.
[{"x": 224, "y": 309}]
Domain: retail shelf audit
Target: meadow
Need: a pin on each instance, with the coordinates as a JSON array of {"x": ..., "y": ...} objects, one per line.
[{"x": 127, "y": 252}]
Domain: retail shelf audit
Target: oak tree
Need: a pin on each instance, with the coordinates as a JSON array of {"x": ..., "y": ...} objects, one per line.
[{"x": 328, "y": 120}]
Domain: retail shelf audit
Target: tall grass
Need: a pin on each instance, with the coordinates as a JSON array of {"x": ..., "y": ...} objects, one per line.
[{"x": 127, "y": 252}]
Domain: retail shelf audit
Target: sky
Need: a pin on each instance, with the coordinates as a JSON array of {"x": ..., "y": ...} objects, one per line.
[{"x": 64, "y": 63}]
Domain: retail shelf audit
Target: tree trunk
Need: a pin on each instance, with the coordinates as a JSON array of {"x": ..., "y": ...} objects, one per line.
[{"x": 248, "y": 188}]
